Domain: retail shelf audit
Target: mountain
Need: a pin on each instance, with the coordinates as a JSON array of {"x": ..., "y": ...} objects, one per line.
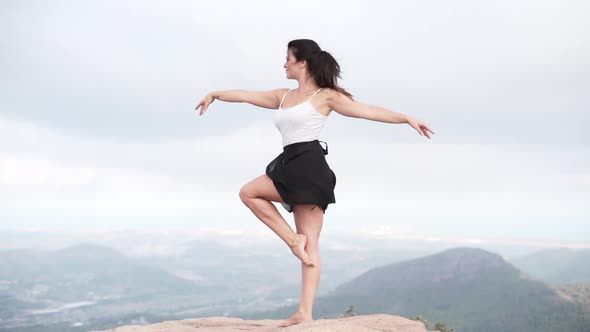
[
  {"x": 89, "y": 284},
  {"x": 96, "y": 271},
  {"x": 557, "y": 266},
  {"x": 469, "y": 289},
  {"x": 94, "y": 286}
]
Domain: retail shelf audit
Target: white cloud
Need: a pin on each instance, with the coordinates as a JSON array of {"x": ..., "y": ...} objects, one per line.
[
  {"x": 99, "y": 127},
  {"x": 420, "y": 184}
]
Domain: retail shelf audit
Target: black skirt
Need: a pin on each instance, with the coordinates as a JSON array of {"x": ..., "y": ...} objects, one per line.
[{"x": 301, "y": 175}]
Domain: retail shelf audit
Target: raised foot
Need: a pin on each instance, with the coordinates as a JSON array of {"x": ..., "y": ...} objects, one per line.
[
  {"x": 296, "y": 318},
  {"x": 298, "y": 248}
]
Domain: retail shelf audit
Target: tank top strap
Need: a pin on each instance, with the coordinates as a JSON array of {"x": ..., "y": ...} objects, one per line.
[
  {"x": 318, "y": 90},
  {"x": 285, "y": 95}
]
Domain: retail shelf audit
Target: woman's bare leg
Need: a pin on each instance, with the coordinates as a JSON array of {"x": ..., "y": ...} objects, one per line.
[
  {"x": 257, "y": 195},
  {"x": 309, "y": 222}
]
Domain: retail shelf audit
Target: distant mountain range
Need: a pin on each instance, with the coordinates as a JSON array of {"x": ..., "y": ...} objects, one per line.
[
  {"x": 92, "y": 270},
  {"x": 557, "y": 266},
  {"x": 99, "y": 287},
  {"x": 88, "y": 284},
  {"x": 470, "y": 289},
  {"x": 93, "y": 287}
]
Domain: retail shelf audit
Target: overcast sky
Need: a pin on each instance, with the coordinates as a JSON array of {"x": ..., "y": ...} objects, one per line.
[{"x": 98, "y": 128}]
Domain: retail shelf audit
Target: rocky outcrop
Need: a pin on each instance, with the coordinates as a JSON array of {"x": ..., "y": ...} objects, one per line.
[{"x": 363, "y": 323}]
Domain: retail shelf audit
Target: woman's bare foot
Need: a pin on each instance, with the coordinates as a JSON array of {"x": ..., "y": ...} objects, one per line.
[
  {"x": 298, "y": 248},
  {"x": 296, "y": 318}
]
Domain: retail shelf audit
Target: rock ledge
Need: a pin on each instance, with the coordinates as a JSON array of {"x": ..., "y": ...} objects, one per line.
[{"x": 363, "y": 323}]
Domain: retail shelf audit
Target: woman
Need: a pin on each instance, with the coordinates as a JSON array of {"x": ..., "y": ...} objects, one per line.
[{"x": 300, "y": 178}]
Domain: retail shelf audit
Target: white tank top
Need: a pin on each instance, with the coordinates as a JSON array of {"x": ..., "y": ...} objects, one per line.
[{"x": 299, "y": 123}]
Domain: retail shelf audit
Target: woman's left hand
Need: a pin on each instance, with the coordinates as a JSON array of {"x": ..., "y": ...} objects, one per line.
[{"x": 420, "y": 127}]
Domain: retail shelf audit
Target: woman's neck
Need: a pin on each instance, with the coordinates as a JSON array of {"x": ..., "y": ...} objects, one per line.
[{"x": 307, "y": 85}]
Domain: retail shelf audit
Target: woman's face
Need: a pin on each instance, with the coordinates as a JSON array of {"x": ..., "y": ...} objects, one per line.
[{"x": 292, "y": 67}]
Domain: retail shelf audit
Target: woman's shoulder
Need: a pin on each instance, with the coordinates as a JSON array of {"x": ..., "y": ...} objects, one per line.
[
  {"x": 332, "y": 94},
  {"x": 328, "y": 93},
  {"x": 280, "y": 92}
]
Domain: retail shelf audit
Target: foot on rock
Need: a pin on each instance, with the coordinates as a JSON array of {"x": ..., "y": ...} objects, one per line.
[{"x": 296, "y": 318}]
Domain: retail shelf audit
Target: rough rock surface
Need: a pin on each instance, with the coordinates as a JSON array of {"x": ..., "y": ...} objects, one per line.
[{"x": 364, "y": 323}]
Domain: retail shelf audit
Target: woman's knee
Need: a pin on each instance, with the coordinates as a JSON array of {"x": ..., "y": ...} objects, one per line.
[
  {"x": 312, "y": 242},
  {"x": 245, "y": 193},
  {"x": 261, "y": 187}
]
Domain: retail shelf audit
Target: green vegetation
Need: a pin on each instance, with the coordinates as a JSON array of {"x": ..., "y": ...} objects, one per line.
[
  {"x": 442, "y": 327},
  {"x": 438, "y": 326},
  {"x": 349, "y": 312},
  {"x": 421, "y": 319}
]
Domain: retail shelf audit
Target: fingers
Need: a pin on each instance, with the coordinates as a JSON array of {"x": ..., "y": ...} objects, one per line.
[
  {"x": 416, "y": 126},
  {"x": 424, "y": 129},
  {"x": 203, "y": 105}
]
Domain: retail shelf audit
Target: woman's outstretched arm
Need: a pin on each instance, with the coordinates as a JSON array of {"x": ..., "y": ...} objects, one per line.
[
  {"x": 266, "y": 99},
  {"x": 356, "y": 109}
]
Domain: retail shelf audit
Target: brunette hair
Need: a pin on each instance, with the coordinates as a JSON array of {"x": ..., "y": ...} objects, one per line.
[{"x": 321, "y": 65}]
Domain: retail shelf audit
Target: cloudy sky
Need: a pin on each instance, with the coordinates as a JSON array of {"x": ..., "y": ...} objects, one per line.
[{"x": 98, "y": 128}]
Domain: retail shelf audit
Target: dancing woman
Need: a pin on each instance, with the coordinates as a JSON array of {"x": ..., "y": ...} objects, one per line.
[{"x": 300, "y": 178}]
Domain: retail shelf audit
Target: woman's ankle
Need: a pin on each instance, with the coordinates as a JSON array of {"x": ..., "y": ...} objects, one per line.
[{"x": 304, "y": 312}]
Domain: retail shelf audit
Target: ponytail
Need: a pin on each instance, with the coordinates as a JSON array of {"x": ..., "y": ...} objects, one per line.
[{"x": 321, "y": 65}]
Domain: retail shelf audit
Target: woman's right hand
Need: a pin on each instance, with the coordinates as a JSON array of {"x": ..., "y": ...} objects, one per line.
[{"x": 204, "y": 104}]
